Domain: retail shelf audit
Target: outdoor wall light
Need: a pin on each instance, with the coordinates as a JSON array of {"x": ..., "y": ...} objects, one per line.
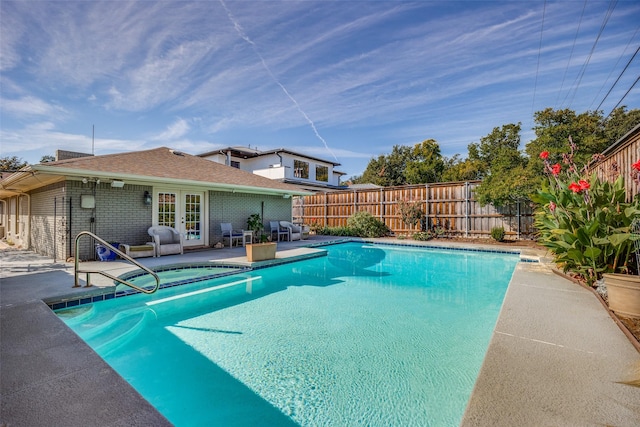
[
  {"x": 147, "y": 198},
  {"x": 85, "y": 180},
  {"x": 117, "y": 184}
]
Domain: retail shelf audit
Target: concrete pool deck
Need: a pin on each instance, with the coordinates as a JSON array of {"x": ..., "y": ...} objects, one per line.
[{"x": 556, "y": 356}]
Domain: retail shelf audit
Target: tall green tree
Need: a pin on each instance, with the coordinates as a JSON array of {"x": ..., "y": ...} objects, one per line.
[
  {"x": 505, "y": 180},
  {"x": 387, "y": 170},
  {"x": 458, "y": 169},
  {"x": 425, "y": 164},
  {"x": 553, "y": 129}
]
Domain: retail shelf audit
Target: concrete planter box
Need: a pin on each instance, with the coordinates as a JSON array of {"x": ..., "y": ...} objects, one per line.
[
  {"x": 261, "y": 251},
  {"x": 623, "y": 291}
]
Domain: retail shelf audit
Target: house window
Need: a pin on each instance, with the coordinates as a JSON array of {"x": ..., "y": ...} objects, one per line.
[
  {"x": 322, "y": 173},
  {"x": 300, "y": 169},
  {"x": 167, "y": 209},
  {"x": 235, "y": 164}
]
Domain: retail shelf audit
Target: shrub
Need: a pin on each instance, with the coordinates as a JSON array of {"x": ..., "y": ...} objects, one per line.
[
  {"x": 423, "y": 235},
  {"x": 410, "y": 212},
  {"x": 363, "y": 224},
  {"x": 497, "y": 233}
]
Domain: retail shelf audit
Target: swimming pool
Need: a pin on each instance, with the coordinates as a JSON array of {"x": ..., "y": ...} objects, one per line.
[{"x": 368, "y": 335}]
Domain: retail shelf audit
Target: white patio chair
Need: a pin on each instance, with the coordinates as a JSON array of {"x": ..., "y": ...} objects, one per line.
[{"x": 229, "y": 233}]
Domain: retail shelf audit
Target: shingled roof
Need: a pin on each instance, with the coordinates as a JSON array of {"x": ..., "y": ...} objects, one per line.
[{"x": 159, "y": 165}]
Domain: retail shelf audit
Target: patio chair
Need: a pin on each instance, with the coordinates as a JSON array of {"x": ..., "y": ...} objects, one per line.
[
  {"x": 278, "y": 230},
  {"x": 294, "y": 232},
  {"x": 167, "y": 240},
  {"x": 229, "y": 233}
]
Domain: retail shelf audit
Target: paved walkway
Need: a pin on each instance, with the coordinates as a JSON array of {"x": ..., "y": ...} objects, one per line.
[{"x": 556, "y": 356}]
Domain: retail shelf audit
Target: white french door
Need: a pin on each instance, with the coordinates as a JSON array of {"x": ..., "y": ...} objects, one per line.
[{"x": 185, "y": 211}]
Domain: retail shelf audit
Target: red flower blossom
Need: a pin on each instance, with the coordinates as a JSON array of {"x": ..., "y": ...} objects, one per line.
[
  {"x": 552, "y": 206},
  {"x": 584, "y": 185},
  {"x": 544, "y": 155},
  {"x": 636, "y": 165},
  {"x": 555, "y": 169},
  {"x": 575, "y": 187}
]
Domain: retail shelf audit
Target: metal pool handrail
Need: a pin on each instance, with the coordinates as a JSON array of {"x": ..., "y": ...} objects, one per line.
[{"x": 104, "y": 273}]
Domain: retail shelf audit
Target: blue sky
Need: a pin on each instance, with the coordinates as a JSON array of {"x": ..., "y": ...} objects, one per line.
[{"x": 343, "y": 80}]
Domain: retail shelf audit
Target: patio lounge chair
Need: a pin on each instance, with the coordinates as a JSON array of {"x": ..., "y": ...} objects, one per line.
[
  {"x": 167, "y": 240},
  {"x": 229, "y": 233},
  {"x": 278, "y": 230},
  {"x": 295, "y": 232}
]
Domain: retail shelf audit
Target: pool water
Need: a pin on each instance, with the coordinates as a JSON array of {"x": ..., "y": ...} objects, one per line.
[{"x": 368, "y": 335}]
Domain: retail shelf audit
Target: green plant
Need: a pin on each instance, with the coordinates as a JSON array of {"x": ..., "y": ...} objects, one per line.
[
  {"x": 410, "y": 212},
  {"x": 254, "y": 223},
  {"x": 423, "y": 235},
  {"x": 497, "y": 234},
  {"x": 584, "y": 221},
  {"x": 363, "y": 224}
]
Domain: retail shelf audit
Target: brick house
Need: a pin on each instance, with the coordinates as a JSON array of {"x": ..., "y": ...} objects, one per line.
[{"x": 119, "y": 196}]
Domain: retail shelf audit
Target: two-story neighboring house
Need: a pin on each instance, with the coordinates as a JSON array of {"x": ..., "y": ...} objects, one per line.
[{"x": 310, "y": 173}]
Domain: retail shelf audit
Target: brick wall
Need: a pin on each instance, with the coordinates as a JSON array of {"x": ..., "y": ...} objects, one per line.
[
  {"x": 120, "y": 214},
  {"x": 57, "y": 217},
  {"x": 236, "y": 208}
]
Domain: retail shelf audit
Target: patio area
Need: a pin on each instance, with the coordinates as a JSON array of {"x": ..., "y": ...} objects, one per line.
[{"x": 556, "y": 356}]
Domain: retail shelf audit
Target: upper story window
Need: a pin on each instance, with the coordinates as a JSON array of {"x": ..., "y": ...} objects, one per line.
[
  {"x": 300, "y": 169},
  {"x": 322, "y": 173},
  {"x": 235, "y": 164}
]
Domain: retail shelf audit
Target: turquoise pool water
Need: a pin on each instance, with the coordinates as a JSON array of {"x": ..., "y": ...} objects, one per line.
[{"x": 368, "y": 336}]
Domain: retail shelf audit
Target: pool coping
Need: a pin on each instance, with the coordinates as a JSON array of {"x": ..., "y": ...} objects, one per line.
[{"x": 60, "y": 386}]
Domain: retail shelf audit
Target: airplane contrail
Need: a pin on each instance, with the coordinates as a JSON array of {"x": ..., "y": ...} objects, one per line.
[{"x": 246, "y": 38}]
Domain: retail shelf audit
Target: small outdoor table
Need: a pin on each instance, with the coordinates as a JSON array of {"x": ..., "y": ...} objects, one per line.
[{"x": 247, "y": 237}]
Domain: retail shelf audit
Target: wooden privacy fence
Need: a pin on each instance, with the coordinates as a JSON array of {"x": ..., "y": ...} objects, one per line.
[
  {"x": 450, "y": 206},
  {"x": 617, "y": 161}
]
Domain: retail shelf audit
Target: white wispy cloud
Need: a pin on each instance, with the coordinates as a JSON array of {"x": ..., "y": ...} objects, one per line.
[
  {"x": 174, "y": 131},
  {"x": 29, "y": 106}
]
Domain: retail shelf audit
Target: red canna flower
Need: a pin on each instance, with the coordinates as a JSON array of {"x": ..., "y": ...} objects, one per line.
[
  {"x": 544, "y": 155},
  {"x": 636, "y": 165},
  {"x": 575, "y": 187},
  {"x": 555, "y": 169},
  {"x": 584, "y": 185}
]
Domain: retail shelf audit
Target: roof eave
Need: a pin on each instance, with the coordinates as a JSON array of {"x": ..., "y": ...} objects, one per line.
[{"x": 81, "y": 173}]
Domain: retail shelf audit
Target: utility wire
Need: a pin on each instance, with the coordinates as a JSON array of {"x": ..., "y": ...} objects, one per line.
[
  {"x": 621, "y": 99},
  {"x": 612, "y": 69},
  {"x": 614, "y": 84},
  {"x": 535, "y": 83},
  {"x": 612, "y": 6},
  {"x": 575, "y": 39}
]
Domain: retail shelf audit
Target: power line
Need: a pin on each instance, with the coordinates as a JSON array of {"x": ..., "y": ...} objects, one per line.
[
  {"x": 584, "y": 6},
  {"x": 535, "y": 83},
  {"x": 614, "y": 84},
  {"x": 623, "y": 97},
  {"x": 612, "y": 6},
  {"x": 612, "y": 69}
]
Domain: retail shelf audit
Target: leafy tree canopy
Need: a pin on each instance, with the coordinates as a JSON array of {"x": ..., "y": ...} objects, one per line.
[
  {"x": 48, "y": 158},
  {"x": 11, "y": 163},
  {"x": 419, "y": 164},
  {"x": 425, "y": 163}
]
